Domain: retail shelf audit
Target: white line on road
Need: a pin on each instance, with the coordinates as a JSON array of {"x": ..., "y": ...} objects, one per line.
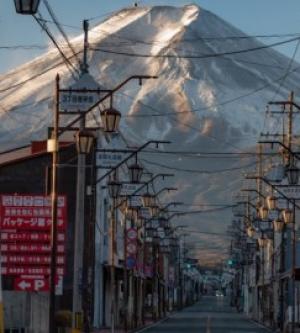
[{"x": 208, "y": 325}]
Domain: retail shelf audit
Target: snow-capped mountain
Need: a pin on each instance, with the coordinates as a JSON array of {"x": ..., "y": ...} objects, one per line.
[{"x": 200, "y": 101}]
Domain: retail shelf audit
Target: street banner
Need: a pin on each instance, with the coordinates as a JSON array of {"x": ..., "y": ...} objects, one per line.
[
  {"x": 129, "y": 189},
  {"x": 135, "y": 201},
  {"x": 109, "y": 160}
]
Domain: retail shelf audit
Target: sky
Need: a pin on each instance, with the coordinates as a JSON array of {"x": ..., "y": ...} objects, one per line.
[{"x": 255, "y": 17}]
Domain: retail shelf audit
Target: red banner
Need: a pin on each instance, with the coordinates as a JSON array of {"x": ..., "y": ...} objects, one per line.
[{"x": 25, "y": 234}]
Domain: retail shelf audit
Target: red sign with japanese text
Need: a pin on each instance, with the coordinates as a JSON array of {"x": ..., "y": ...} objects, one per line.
[
  {"x": 28, "y": 212},
  {"x": 25, "y": 234}
]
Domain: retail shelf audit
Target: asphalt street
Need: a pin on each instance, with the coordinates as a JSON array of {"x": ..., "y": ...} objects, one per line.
[{"x": 210, "y": 315}]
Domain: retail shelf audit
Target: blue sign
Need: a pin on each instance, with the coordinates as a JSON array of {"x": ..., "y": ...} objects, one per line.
[{"x": 130, "y": 262}]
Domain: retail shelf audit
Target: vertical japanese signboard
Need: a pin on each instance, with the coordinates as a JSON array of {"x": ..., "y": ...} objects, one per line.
[{"x": 25, "y": 229}]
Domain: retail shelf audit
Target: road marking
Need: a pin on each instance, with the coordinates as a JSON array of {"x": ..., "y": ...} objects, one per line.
[
  {"x": 208, "y": 325},
  {"x": 153, "y": 325}
]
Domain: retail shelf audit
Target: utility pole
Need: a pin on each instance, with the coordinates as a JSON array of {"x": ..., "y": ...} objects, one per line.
[
  {"x": 53, "y": 148},
  {"x": 80, "y": 213},
  {"x": 112, "y": 267}
]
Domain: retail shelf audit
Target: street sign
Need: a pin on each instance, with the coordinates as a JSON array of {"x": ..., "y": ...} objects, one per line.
[
  {"x": 131, "y": 248},
  {"x": 25, "y": 223},
  {"x": 129, "y": 189},
  {"x": 132, "y": 234},
  {"x": 130, "y": 262},
  {"x": 80, "y": 101},
  {"x": 36, "y": 284},
  {"x": 109, "y": 160},
  {"x": 135, "y": 201},
  {"x": 30, "y": 212}
]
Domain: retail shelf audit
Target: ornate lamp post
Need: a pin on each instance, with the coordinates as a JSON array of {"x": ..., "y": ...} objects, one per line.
[
  {"x": 27, "y": 7},
  {"x": 84, "y": 141},
  {"x": 271, "y": 201},
  {"x": 292, "y": 174},
  {"x": 263, "y": 212},
  {"x": 278, "y": 225},
  {"x": 114, "y": 188},
  {"x": 288, "y": 216},
  {"x": 135, "y": 173},
  {"x": 251, "y": 231},
  {"x": 110, "y": 119}
]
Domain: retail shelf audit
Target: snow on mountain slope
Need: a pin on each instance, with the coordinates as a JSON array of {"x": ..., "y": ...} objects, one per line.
[{"x": 208, "y": 104}]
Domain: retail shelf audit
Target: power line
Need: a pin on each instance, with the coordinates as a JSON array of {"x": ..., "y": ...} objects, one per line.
[
  {"x": 36, "y": 75},
  {"x": 198, "y": 171},
  {"x": 199, "y": 56}
]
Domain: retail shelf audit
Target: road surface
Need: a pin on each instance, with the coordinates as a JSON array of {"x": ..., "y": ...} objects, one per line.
[{"x": 210, "y": 315}]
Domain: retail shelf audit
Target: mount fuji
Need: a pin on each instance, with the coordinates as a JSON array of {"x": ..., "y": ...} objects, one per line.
[{"x": 210, "y": 96}]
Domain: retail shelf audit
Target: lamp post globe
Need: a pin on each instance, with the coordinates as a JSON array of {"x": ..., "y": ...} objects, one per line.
[
  {"x": 110, "y": 119},
  {"x": 292, "y": 175},
  {"x": 135, "y": 173},
  {"x": 114, "y": 188},
  {"x": 278, "y": 225},
  {"x": 27, "y": 7},
  {"x": 263, "y": 212},
  {"x": 84, "y": 141},
  {"x": 271, "y": 202},
  {"x": 288, "y": 216},
  {"x": 262, "y": 242},
  {"x": 250, "y": 232}
]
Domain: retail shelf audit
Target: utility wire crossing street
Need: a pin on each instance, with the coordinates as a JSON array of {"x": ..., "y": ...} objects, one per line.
[{"x": 210, "y": 315}]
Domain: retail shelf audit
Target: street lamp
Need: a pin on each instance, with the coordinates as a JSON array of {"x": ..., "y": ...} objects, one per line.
[
  {"x": 263, "y": 212},
  {"x": 27, "y": 7},
  {"x": 114, "y": 188},
  {"x": 110, "y": 119},
  {"x": 250, "y": 232},
  {"x": 292, "y": 174},
  {"x": 135, "y": 173},
  {"x": 262, "y": 242},
  {"x": 278, "y": 225},
  {"x": 271, "y": 202},
  {"x": 84, "y": 141},
  {"x": 288, "y": 216}
]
